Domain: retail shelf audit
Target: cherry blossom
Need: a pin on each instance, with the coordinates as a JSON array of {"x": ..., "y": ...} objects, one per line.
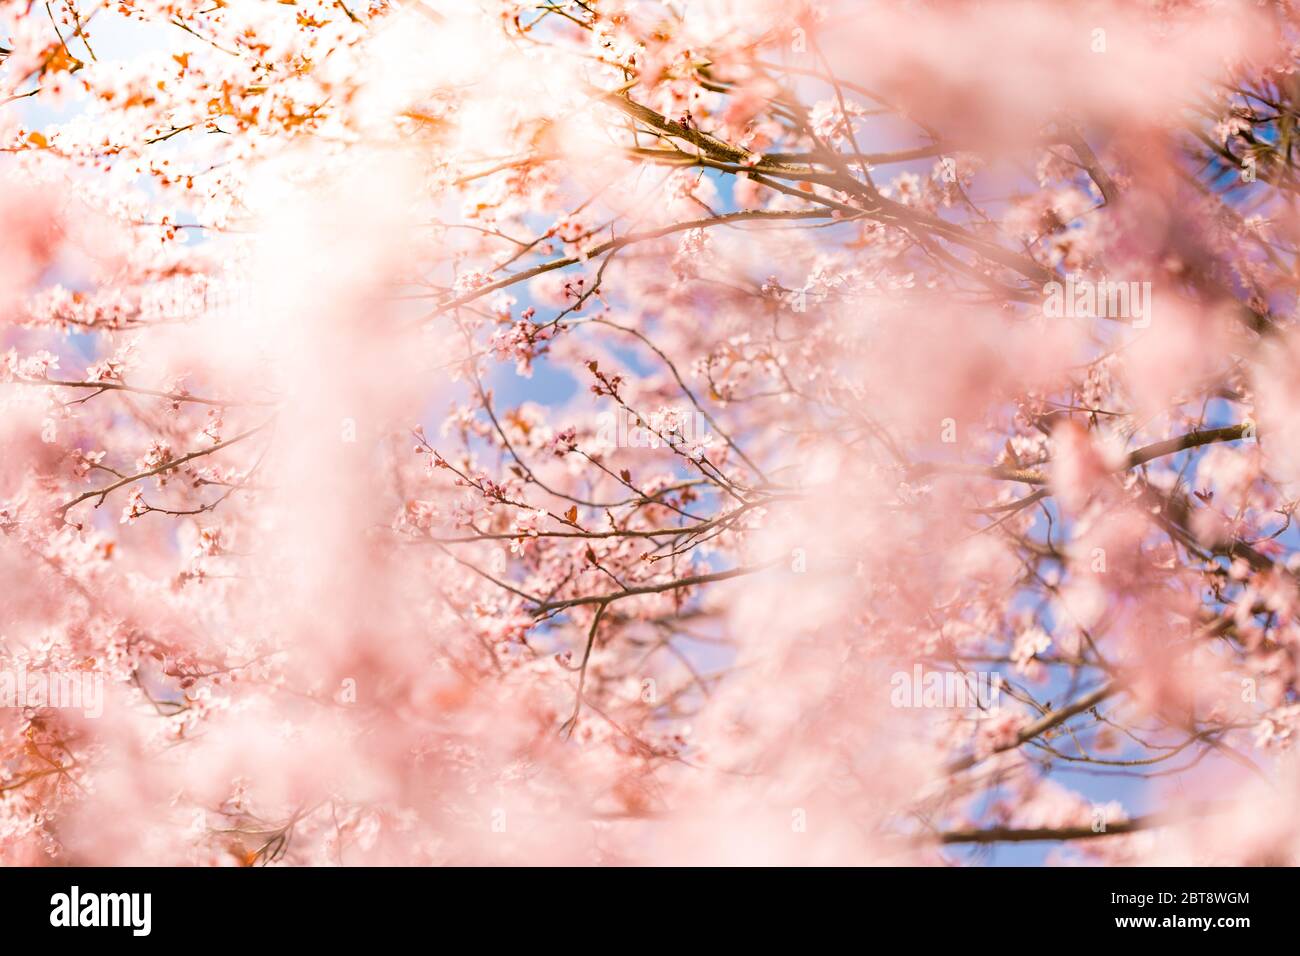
[{"x": 502, "y": 432}]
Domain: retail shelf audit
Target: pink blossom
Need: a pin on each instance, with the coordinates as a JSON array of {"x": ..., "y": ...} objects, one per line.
[{"x": 746, "y": 396}]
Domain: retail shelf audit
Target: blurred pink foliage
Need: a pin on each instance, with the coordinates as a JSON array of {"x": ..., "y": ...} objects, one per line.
[{"x": 820, "y": 433}]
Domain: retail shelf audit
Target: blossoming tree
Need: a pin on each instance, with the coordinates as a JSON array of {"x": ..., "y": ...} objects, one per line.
[{"x": 630, "y": 431}]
